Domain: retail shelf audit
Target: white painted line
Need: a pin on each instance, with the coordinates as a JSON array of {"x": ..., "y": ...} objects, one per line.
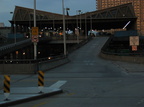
[
  {"x": 140, "y": 102},
  {"x": 58, "y": 84}
]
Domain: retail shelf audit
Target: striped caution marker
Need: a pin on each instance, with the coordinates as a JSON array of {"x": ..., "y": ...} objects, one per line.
[
  {"x": 6, "y": 86},
  {"x": 40, "y": 81}
]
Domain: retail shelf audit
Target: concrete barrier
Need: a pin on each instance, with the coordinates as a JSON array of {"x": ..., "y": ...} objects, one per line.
[
  {"x": 133, "y": 59},
  {"x": 17, "y": 68},
  {"x": 46, "y": 65},
  {"x": 32, "y": 68}
]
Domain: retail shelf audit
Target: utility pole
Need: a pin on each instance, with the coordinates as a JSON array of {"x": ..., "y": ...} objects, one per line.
[
  {"x": 35, "y": 43},
  {"x": 64, "y": 35}
]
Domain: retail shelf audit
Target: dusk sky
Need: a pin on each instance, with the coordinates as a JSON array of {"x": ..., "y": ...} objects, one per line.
[{"x": 55, "y": 6}]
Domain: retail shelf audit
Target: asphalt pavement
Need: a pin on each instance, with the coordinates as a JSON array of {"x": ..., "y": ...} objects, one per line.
[
  {"x": 20, "y": 93},
  {"x": 30, "y": 91}
]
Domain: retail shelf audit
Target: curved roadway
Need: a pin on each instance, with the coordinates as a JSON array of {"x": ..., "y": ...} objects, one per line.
[{"x": 93, "y": 82}]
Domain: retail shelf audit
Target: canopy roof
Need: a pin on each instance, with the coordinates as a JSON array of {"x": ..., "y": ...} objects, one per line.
[{"x": 121, "y": 13}]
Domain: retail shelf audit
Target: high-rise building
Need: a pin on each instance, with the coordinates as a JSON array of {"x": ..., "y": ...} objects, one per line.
[
  {"x": 138, "y": 8},
  {"x": 1, "y": 24}
]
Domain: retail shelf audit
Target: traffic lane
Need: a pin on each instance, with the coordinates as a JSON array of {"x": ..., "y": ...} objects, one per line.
[
  {"x": 91, "y": 92},
  {"x": 110, "y": 92},
  {"x": 83, "y": 102},
  {"x": 92, "y": 84},
  {"x": 14, "y": 79},
  {"x": 85, "y": 68}
]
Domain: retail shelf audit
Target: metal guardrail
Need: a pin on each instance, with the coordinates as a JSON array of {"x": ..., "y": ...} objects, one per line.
[
  {"x": 29, "y": 61},
  {"x": 13, "y": 44},
  {"x": 68, "y": 37},
  {"x": 105, "y": 50},
  {"x": 124, "y": 54}
]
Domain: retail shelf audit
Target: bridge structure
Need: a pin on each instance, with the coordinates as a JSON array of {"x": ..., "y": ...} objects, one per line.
[
  {"x": 18, "y": 57},
  {"x": 20, "y": 54},
  {"x": 114, "y": 17}
]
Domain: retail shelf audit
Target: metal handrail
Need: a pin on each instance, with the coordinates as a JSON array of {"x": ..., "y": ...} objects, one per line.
[
  {"x": 13, "y": 44},
  {"x": 31, "y": 61},
  {"x": 123, "y": 54}
]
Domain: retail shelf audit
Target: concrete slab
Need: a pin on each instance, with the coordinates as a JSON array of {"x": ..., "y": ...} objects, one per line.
[{"x": 22, "y": 94}]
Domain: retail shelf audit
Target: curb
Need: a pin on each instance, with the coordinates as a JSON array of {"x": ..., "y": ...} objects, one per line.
[{"x": 31, "y": 98}]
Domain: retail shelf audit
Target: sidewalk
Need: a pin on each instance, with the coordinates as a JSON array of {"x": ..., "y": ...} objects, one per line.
[
  {"x": 18, "y": 78},
  {"x": 19, "y": 94},
  {"x": 24, "y": 94},
  {"x": 130, "y": 67}
]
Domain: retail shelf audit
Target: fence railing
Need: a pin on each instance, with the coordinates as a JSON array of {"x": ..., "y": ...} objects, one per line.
[{"x": 29, "y": 61}]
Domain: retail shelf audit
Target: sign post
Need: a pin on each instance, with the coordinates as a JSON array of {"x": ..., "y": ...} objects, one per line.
[
  {"x": 134, "y": 42},
  {"x": 134, "y": 48},
  {"x": 35, "y": 40},
  {"x": 77, "y": 33},
  {"x": 35, "y": 31},
  {"x": 6, "y": 86},
  {"x": 40, "y": 81}
]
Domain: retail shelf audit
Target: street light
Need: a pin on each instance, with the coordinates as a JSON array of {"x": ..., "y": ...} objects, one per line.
[
  {"x": 67, "y": 9},
  {"x": 14, "y": 27},
  {"x": 80, "y": 21},
  {"x": 35, "y": 43},
  {"x": 53, "y": 22},
  {"x": 64, "y": 35},
  {"x": 78, "y": 13},
  {"x": 34, "y": 13},
  {"x": 86, "y": 25},
  {"x": 91, "y": 22}
]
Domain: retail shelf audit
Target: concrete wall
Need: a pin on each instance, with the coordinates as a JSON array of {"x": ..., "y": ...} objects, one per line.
[
  {"x": 52, "y": 64},
  {"x": 5, "y": 31},
  {"x": 17, "y": 68},
  {"x": 133, "y": 59},
  {"x": 31, "y": 68}
]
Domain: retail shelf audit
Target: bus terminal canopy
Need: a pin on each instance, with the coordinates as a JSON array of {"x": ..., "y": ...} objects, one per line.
[{"x": 114, "y": 17}]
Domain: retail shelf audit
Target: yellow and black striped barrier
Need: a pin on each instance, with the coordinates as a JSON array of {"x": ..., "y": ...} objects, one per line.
[
  {"x": 40, "y": 80},
  {"x": 6, "y": 86}
]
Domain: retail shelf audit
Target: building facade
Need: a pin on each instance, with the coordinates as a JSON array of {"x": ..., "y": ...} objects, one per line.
[
  {"x": 1, "y": 24},
  {"x": 138, "y": 8}
]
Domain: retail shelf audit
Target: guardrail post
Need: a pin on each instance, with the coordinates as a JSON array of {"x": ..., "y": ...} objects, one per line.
[
  {"x": 6, "y": 86},
  {"x": 40, "y": 81}
]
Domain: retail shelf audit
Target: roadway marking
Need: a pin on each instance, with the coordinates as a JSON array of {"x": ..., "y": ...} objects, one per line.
[
  {"x": 58, "y": 84},
  {"x": 33, "y": 80},
  {"x": 89, "y": 62},
  {"x": 140, "y": 102},
  {"x": 70, "y": 94},
  {"x": 40, "y": 104}
]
